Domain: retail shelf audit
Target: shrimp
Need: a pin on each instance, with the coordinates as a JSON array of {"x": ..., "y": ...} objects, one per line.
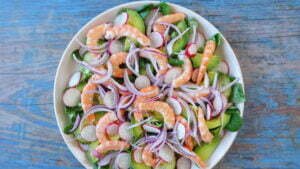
[
  {"x": 101, "y": 126},
  {"x": 188, "y": 141},
  {"x": 114, "y": 145},
  {"x": 95, "y": 34},
  {"x": 148, "y": 156},
  {"x": 209, "y": 50},
  {"x": 138, "y": 115},
  {"x": 162, "y": 107},
  {"x": 129, "y": 31},
  {"x": 117, "y": 60},
  {"x": 185, "y": 75},
  {"x": 204, "y": 131},
  {"x": 195, "y": 75},
  {"x": 172, "y": 18},
  {"x": 158, "y": 56}
]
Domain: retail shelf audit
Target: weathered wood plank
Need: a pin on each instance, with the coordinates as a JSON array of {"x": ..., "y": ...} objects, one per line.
[{"x": 264, "y": 34}]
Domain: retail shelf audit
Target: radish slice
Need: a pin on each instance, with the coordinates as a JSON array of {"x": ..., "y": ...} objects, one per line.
[
  {"x": 71, "y": 97},
  {"x": 200, "y": 40},
  {"x": 74, "y": 79},
  {"x": 121, "y": 19},
  {"x": 172, "y": 74},
  {"x": 151, "y": 128},
  {"x": 184, "y": 163},
  {"x": 108, "y": 99},
  {"x": 166, "y": 153},
  {"x": 157, "y": 40},
  {"x": 88, "y": 133},
  {"x": 223, "y": 67},
  {"x": 180, "y": 131},
  {"x": 191, "y": 50},
  {"x": 124, "y": 131},
  {"x": 175, "y": 105},
  {"x": 115, "y": 46},
  {"x": 137, "y": 155},
  {"x": 112, "y": 129},
  {"x": 142, "y": 82},
  {"x": 123, "y": 160}
]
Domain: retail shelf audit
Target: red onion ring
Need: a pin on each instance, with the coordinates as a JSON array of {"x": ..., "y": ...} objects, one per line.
[
  {"x": 151, "y": 21},
  {"x": 89, "y": 67},
  {"x": 76, "y": 124},
  {"x": 129, "y": 59},
  {"x": 171, "y": 43},
  {"x": 171, "y": 26},
  {"x": 126, "y": 101},
  {"x": 107, "y": 76},
  {"x": 186, "y": 97},
  {"x": 107, "y": 159}
]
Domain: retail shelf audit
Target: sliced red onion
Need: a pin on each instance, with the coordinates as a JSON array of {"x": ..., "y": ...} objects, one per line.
[
  {"x": 140, "y": 123},
  {"x": 161, "y": 139},
  {"x": 131, "y": 56},
  {"x": 107, "y": 76},
  {"x": 101, "y": 91},
  {"x": 157, "y": 39},
  {"x": 193, "y": 34},
  {"x": 171, "y": 43},
  {"x": 175, "y": 105},
  {"x": 150, "y": 74},
  {"x": 126, "y": 101},
  {"x": 120, "y": 114},
  {"x": 93, "y": 110},
  {"x": 208, "y": 112},
  {"x": 186, "y": 97},
  {"x": 76, "y": 124},
  {"x": 217, "y": 103},
  {"x": 144, "y": 140},
  {"x": 178, "y": 148},
  {"x": 121, "y": 87},
  {"x": 116, "y": 96},
  {"x": 71, "y": 97},
  {"x": 92, "y": 49},
  {"x": 89, "y": 67},
  {"x": 121, "y": 19},
  {"x": 74, "y": 79},
  {"x": 151, "y": 128},
  {"x": 107, "y": 159},
  {"x": 100, "y": 61},
  {"x": 200, "y": 40},
  {"x": 152, "y": 17},
  {"x": 146, "y": 51},
  {"x": 215, "y": 82}
]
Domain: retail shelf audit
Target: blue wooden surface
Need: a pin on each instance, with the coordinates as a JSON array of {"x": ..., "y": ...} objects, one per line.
[{"x": 264, "y": 34}]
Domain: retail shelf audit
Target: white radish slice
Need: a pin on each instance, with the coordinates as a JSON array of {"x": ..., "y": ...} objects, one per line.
[
  {"x": 191, "y": 49},
  {"x": 175, "y": 105},
  {"x": 112, "y": 129},
  {"x": 115, "y": 46},
  {"x": 142, "y": 82},
  {"x": 223, "y": 67},
  {"x": 157, "y": 40},
  {"x": 75, "y": 79},
  {"x": 151, "y": 128},
  {"x": 123, "y": 160},
  {"x": 108, "y": 99},
  {"x": 137, "y": 155},
  {"x": 71, "y": 97},
  {"x": 183, "y": 163},
  {"x": 166, "y": 153},
  {"x": 121, "y": 19},
  {"x": 172, "y": 74},
  {"x": 88, "y": 133},
  {"x": 180, "y": 131},
  {"x": 124, "y": 131}
]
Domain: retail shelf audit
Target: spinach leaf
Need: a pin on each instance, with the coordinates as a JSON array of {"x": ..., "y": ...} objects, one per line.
[
  {"x": 71, "y": 114},
  {"x": 237, "y": 94},
  {"x": 145, "y": 10},
  {"x": 217, "y": 38},
  {"x": 174, "y": 61},
  {"x": 76, "y": 54},
  {"x": 236, "y": 121},
  {"x": 164, "y": 8}
]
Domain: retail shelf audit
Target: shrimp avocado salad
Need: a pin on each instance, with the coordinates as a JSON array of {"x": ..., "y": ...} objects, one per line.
[{"x": 151, "y": 93}]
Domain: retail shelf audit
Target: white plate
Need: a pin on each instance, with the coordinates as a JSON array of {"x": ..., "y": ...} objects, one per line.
[{"x": 67, "y": 66}]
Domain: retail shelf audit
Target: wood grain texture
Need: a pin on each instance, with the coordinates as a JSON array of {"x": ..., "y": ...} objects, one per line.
[{"x": 265, "y": 35}]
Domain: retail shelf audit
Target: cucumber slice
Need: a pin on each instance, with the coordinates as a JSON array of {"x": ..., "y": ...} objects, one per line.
[
  {"x": 216, "y": 122},
  {"x": 204, "y": 151},
  {"x": 135, "y": 20},
  {"x": 89, "y": 155}
]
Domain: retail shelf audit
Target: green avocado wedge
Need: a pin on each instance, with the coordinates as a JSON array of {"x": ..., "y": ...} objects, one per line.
[
  {"x": 89, "y": 155},
  {"x": 212, "y": 63},
  {"x": 181, "y": 43},
  {"x": 204, "y": 151},
  {"x": 135, "y": 20},
  {"x": 217, "y": 122}
]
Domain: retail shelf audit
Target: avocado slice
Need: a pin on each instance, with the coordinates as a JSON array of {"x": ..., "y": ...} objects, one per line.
[
  {"x": 212, "y": 63},
  {"x": 89, "y": 155},
  {"x": 204, "y": 151},
  {"x": 135, "y": 20},
  {"x": 135, "y": 165},
  {"x": 223, "y": 80},
  {"x": 181, "y": 43},
  {"x": 216, "y": 122}
]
